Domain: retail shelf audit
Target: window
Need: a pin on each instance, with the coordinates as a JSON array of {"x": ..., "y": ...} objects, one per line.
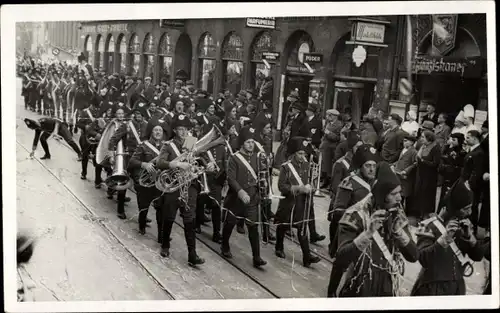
[
  {"x": 232, "y": 56},
  {"x": 134, "y": 44},
  {"x": 262, "y": 43},
  {"x": 165, "y": 52},
  {"x": 89, "y": 49},
  {"x": 134, "y": 48},
  {"x": 206, "y": 55},
  {"x": 149, "y": 44},
  {"x": 100, "y": 52},
  {"x": 122, "y": 56}
]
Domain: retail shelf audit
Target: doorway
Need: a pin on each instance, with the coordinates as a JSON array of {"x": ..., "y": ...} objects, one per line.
[
  {"x": 353, "y": 98},
  {"x": 292, "y": 82}
]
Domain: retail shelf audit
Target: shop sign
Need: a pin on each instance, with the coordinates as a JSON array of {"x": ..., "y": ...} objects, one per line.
[
  {"x": 313, "y": 58},
  {"x": 359, "y": 55},
  {"x": 172, "y": 23},
  {"x": 262, "y": 22},
  {"x": 469, "y": 67},
  {"x": 368, "y": 32},
  {"x": 55, "y": 51},
  {"x": 105, "y": 28},
  {"x": 271, "y": 56},
  {"x": 444, "y": 32},
  {"x": 298, "y": 69}
]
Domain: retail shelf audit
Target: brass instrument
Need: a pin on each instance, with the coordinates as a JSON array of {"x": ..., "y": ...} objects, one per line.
[
  {"x": 264, "y": 177},
  {"x": 147, "y": 179},
  {"x": 173, "y": 179},
  {"x": 119, "y": 180},
  {"x": 312, "y": 171},
  {"x": 92, "y": 140},
  {"x": 317, "y": 193},
  {"x": 204, "y": 183}
]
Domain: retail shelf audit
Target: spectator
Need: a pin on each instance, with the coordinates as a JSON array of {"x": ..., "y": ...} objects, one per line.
[
  {"x": 411, "y": 126},
  {"x": 431, "y": 114},
  {"x": 405, "y": 169},
  {"x": 442, "y": 130},
  {"x": 452, "y": 161},
  {"x": 329, "y": 143},
  {"x": 393, "y": 140},
  {"x": 428, "y": 159}
]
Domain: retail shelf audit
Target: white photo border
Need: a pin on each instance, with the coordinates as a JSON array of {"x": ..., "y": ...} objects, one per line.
[{"x": 10, "y": 14}]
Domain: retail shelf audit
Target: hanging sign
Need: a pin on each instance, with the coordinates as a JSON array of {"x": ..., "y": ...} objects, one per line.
[
  {"x": 313, "y": 58},
  {"x": 444, "y": 31},
  {"x": 368, "y": 32},
  {"x": 271, "y": 56},
  {"x": 359, "y": 55},
  {"x": 55, "y": 51}
]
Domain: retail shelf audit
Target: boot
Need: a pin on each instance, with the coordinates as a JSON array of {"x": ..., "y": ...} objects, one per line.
[
  {"x": 216, "y": 237},
  {"x": 194, "y": 259},
  {"x": 240, "y": 227},
  {"x": 166, "y": 231},
  {"x": 307, "y": 258},
  {"x": 189, "y": 234},
  {"x": 165, "y": 252},
  {"x": 317, "y": 237},
  {"x": 311, "y": 259},
  {"x": 280, "y": 253},
  {"x": 45, "y": 157},
  {"x": 267, "y": 237},
  {"x": 326, "y": 183},
  {"x": 253, "y": 236},
  {"x": 227, "y": 229}
]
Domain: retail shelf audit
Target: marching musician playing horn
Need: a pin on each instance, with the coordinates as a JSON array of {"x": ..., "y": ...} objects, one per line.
[
  {"x": 373, "y": 239},
  {"x": 88, "y": 142},
  {"x": 144, "y": 158},
  {"x": 171, "y": 202},
  {"x": 131, "y": 133},
  {"x": 215, "y": 179},
  {"x": 295, "y": 184},
  {"x": 443, "y": 241},
  {"x": 243, "y": 197}
]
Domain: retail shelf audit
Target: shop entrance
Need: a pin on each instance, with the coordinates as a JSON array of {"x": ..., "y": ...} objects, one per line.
[
  {"x": 354, "y": 98},
  {"x": 450, "y": 94},
  {"x": 299, "y": 82}
]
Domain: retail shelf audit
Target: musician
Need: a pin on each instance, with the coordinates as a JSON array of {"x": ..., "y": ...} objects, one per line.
[
  {"x": 46, "y": 128},
  {"x": 130, "y": 133},
  {"x": 443, "y": 240},
  {"x": 82, "y": 99},
  {"x": 342, "y": 168},
  {"x": 243, "y": 196},
  {"x": 264, "y": 144},
  {"x": 294, "y": 184},
  {"x": 25, "y": 91},
  {"x": 231, "y": 134},
  {"x": 143, "y": 159},
  {"x": 354, "y": 187},
  {"x": 153, "y": 111},
  {"x": 373, "y": 239},
  {"x": 88, "y": 141},
  {"x": 92, "y": 136},
  {"x": 201, "y": 100},
  {"x": 178, "y": 109},
  {"x": 169, "y": 152},
  {"x": 215, "y": 180}
]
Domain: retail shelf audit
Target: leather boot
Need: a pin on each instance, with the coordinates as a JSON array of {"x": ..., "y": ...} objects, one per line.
[
  {"x": 253, "y": 236},
  {"x": 189, "y": 234}
]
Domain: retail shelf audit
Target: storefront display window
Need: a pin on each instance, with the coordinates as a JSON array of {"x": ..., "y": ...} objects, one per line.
[
  {"x": 165, "y": 52},
  {"x": 122, "y": 53},
  {"x": 149, "y": 58},
  {"x": 232, "y": 56},
  {"x": 262, "y": 43},
  {"x": 101, "y": 51},
  {"x": 206, "y": 52},
  {"x": 134, "y": 49}
]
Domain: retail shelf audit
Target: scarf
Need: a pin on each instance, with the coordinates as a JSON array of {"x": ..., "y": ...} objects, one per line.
[{"x": 425, "y": 150}]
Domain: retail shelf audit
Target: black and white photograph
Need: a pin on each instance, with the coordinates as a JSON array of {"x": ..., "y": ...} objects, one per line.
[{"x": 322, "y": 153}]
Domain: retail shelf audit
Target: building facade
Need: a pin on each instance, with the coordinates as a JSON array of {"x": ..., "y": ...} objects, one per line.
[
  {"x": 65, "y": 36},
  {"x": 449, "y": 72},
  {"x": 315, "y": 55}
]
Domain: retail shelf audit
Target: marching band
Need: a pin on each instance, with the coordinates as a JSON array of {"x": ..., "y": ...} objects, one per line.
[{"x": 198, "y": 156}]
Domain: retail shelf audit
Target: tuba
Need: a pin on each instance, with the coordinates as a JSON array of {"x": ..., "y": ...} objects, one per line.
[
  {"x": 119, "y": 180},
  {"x": 172, "y": 180}
]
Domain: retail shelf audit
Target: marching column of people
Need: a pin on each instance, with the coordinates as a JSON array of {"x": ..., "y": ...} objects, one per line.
[{"x": 381, "y": 177}]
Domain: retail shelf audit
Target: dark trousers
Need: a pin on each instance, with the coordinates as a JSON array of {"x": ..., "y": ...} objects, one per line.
[
  {"x": 253, "y": 234},
  {"x": 312, "y": 222},
  {"x": 303, "y": 239},
  {"x": 265, "y": 213},
  {"x": 63, "y": 132},
  {"x": 121, "y": 194},
  {"x": 171, "y": 204},
  {"x": 88, "y": 149},
  {"x": 145, "y": 197},
  {"x": 484, "y": 215},
  {"x": 206, "y": 201}
]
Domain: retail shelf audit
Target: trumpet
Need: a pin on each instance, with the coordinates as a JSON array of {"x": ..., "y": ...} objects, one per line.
[
  {"x": 264, "y": 177},
  {"x": 312, "y": 172}
]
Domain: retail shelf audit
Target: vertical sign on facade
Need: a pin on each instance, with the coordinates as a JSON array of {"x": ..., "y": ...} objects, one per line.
[{"x": 444, "y": 31}]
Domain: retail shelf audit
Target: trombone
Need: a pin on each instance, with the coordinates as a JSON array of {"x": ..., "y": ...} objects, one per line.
[
  {"x": 317, "y": 193},
  {"x": 264, "y": 178}
]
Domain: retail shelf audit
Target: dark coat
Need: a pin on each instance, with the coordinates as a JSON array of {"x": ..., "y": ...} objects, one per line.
[
  {"x": 441, "y": 272},
  {"x": 426, "y": 182},
  {"x": 239, "y": 178},
  {"x": 407, "y": 162},
  {"x": 392, "y": 146},
  {"x": 473, "y": 168},
  {"x": 315, "y": 130},
  {"x": 452, "y": 162},
  {"x": 292, "y": 204}
]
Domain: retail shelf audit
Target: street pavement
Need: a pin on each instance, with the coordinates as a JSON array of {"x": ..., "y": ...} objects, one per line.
[{"x": 106, "y": 259}]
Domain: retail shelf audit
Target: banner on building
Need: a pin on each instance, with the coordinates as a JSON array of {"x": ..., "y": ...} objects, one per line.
[{"x": 444, "y": 32}]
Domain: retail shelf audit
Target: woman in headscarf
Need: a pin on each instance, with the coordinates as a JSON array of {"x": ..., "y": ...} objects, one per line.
[{"x": 428, "y": 159}]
